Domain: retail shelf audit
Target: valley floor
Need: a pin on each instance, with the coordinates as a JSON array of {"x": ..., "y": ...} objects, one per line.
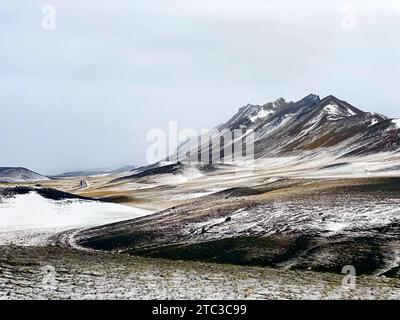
[
  {"x": 285, "y": 238},
  {"x": 61, "y": 273}
]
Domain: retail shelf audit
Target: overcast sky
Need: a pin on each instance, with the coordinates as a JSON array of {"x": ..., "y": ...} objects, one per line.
[{"x": 85, "y": 94}]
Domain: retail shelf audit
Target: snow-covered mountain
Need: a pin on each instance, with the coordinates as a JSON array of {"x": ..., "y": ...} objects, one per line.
[
  {"x": 17, "y": 174},
  {"x": 313, "y": 125}
]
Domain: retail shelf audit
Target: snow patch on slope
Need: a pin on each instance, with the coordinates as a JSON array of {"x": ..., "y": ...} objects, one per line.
[
  {"x": 262, "y": 114},
  {"x": 396, "y": 123},
  {"x": 35, "y": 218},
  {"x": 374, "y": 121},
  {"x": 336, "y": 112}
]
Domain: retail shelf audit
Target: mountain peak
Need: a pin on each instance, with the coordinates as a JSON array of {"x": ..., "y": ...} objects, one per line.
[
  {"x": 276, "y": 104},
  {"x": 334, "y": 103},
  {"x": 331, "y": 98},
  {"x": 308, "y": 101},
  {"x": 312, "y": 96}
]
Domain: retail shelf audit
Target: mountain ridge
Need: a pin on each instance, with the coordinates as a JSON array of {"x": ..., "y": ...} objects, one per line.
[{"x": 283, "y": 128}]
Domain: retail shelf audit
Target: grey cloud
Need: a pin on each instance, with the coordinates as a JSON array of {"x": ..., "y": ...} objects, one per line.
[{"x": 84, "y": 95}]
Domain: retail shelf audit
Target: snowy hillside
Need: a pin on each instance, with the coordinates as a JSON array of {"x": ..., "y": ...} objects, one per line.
[
  {"x": 10, "y": 174},
  {"x": 29, "y": 216}
]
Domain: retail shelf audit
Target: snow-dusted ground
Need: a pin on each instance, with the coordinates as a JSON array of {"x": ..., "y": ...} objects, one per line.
[
  {"x": 30, "y": 219},
  {"x": 325, "y": 165},
  {"x": 323, "y": 214},
  {"x": 57, "y": 273}
]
